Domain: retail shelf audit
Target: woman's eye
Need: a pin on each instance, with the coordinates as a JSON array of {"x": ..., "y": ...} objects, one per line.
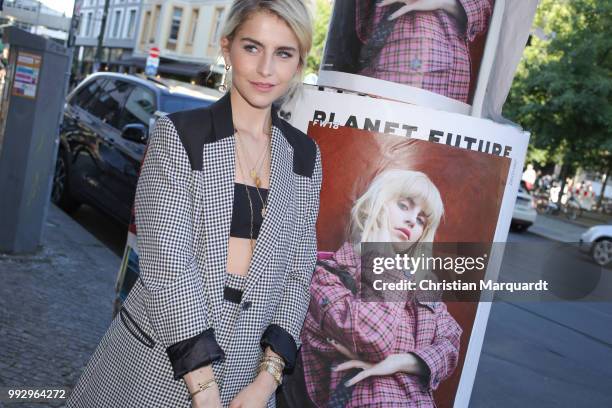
[
  {"x": 250, "y": 48},
  {"x": 422, "y": 221},
  {"x": 285, "y": 54},
  {"x": 402, "y": 206}
]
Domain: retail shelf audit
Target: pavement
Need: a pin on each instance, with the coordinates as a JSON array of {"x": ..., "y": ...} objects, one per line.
[
  {"x": 557, "y": 228},
  {"x": 55, "y": 306}
]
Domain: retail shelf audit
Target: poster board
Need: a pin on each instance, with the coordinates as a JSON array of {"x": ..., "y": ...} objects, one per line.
[{"x": 475, "y": 164}]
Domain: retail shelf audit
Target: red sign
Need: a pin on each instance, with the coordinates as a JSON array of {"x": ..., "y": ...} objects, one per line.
[{"x": 154, "y": 52}]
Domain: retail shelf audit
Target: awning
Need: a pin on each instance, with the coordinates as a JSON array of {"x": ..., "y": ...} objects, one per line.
[{"x": 166, "y": 66}]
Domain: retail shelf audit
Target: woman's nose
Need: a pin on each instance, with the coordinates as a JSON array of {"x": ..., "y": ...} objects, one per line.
[
  {"x": 411, "y": 218},
  {"x": 266, "y": 65}
]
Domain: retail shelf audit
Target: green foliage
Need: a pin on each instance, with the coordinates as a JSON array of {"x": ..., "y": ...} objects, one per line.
[
  {"x": 563, "y": 86},
  {"x": 321, "y": 23}
]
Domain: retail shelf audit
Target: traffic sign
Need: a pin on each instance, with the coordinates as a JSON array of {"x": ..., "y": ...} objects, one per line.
[{"x": 152, "y": 62}]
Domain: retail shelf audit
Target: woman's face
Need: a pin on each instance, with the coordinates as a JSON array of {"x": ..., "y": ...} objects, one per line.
[
  {"x": 407, "y": 220},
  {"x": 264, "y": 55}
]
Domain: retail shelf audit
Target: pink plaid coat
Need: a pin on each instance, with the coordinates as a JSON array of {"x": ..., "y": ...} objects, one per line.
[
  {"x": 373, "y": 331},
  {"x": 426, "y": 49}
]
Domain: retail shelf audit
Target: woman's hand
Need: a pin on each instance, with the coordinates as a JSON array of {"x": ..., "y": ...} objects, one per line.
[
  {"x": 209, "y": 398},
  {"x": 451, "y": 6},
  {"x": 256, "y": 394},
  {"x": 395, "y": 363}
]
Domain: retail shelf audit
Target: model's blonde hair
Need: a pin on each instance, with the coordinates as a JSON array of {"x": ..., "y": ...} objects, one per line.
[
  {"x": 295, "y": 13},
  {"x": 369, "y": 217}
]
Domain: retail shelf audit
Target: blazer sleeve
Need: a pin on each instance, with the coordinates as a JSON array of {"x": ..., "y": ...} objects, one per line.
[
  {"x": 169, "y": 271},
  {"x": 283, "y": 333}
]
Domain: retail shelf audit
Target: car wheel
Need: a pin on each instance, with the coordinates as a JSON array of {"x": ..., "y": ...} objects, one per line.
[
  {"x": 602, "y": 251},
  {"x": 60, "y": 194}
]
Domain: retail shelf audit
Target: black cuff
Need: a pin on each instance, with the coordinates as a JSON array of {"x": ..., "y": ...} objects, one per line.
[
  {"x": 282, "y": 343},
  {"x": 195, "y": 352}
]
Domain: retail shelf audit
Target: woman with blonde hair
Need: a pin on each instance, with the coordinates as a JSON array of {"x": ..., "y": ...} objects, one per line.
[
  {"x": 403, "y": 349},
  {"x": 226, "y": 206}
]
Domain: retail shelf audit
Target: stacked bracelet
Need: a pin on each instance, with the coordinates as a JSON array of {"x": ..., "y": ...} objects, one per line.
[
  {"x": 202, "y": 387},
  {"x": 273, "y": 365}
]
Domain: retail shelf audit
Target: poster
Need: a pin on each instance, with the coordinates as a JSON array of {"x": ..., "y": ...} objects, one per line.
[
  {"x": 27, "y": 71},
  {"x": 471, "y": 168},
  {"x": 426, "y": 53}
]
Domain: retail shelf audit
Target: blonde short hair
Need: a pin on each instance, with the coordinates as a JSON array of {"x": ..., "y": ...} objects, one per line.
[
  {"x": 295, "y": 13},
  {"x": 369, "y": 218}
]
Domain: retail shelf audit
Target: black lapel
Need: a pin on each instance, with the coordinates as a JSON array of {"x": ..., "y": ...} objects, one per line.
[{"x": 221, "y": 112}]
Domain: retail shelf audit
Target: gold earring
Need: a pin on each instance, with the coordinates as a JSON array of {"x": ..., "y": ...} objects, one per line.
[{"x": 223, "y": 86}]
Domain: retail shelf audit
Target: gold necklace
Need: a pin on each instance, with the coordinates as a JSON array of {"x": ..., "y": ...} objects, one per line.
[
  {"x": 256, "y": 179},
  {"x": 263, "y": 203},
  {"x": 254, "y": 171},
  {"x": 246, "y": 189}
]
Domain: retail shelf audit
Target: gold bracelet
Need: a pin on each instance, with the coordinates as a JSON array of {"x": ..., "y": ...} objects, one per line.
[
  {"x": 273, "y": 370},
  {"x": 202, "y": 387},
  {"x": 270, "y": 357},
  {"x": 278, "y": 365},
  {"x": 275, "y": 359}
]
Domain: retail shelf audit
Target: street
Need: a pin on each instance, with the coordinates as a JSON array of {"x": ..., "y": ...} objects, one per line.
[
  {"x": 56, "y": 305},
  {"x": 549, "y": 354}
]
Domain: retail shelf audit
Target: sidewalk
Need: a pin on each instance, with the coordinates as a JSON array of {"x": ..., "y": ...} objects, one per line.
[
  {"x": 591, "y": 218},
  {"x": 55, "y": 306},
  {"x": 557, "y": 228}
]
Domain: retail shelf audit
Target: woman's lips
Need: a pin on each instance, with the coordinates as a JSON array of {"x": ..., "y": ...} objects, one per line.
[
  {"x": 405, "y": 232},
  {"x": 262, "y": 86}
]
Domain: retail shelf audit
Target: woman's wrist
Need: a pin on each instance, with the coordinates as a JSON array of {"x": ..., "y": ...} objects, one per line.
[
  {"x": 266, "y": 381},
  {"x": 413, "y": 364},
  {"x": 201, "y": 375}
]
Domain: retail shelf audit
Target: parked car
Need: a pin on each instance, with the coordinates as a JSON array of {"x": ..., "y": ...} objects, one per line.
[
  {"x": 597, "y": 241},
  {"x": 103, "y": 136},
  {"x": 524, "y": 214}
]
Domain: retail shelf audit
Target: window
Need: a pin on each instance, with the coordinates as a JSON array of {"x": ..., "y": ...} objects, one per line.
[
  {"x": 145, "y": 27},
  {"x": 193, "y": 26},
  {"x": 117, "y": 17},
  {"x": 108, "y": 101},
  {"x": 86, "y": 93},
  {"x": 130, "y": 28},
  {"x": 89, "y": 24},
  {"x": 98, "y": 23},
  {"x": 139, "y": 107},
  {"x": 155, "y": 25},
  {"x": 85, "y": 24},
  {"x": 217, "y": 24},
  {"x": 174, "y": 103},
  {"x": 175, "y": 27}
]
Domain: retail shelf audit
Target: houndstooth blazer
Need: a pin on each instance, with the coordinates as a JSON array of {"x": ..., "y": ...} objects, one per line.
[{"x": 183, "y": 215}]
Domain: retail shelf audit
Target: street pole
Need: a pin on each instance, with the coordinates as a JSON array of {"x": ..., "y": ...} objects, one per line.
[
  {"x": 38, "y": 16},
  {"x": 98, "y": 58},
  {"x": 75, "y": 23}
]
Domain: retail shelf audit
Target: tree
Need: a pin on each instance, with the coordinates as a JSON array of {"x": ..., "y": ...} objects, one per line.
[
  {"x": 563, "y": 87},
  {"x": 322, "y": 15}
]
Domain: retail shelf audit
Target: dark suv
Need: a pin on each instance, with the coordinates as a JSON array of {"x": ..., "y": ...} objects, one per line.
[{"x": 103, "y": 136}]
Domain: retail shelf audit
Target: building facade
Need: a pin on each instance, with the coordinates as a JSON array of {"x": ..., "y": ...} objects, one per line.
[
  {"x": 120, "y": 33},
  {"x": 187, "y": 33}
]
